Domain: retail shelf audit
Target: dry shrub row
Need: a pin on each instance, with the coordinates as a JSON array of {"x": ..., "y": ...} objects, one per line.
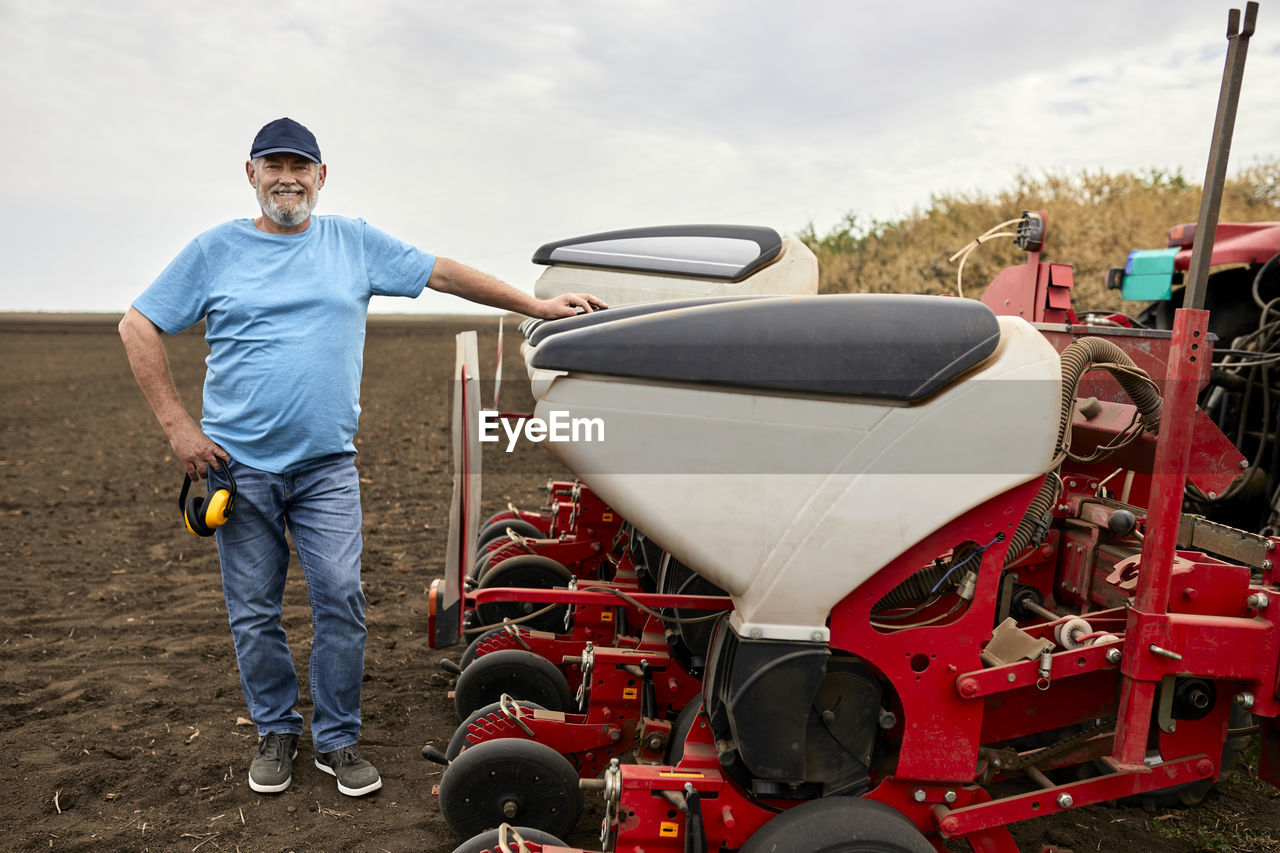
[{"x": 1094, "y": 218}]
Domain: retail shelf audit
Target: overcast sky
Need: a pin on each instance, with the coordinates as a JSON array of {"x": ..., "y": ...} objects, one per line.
[{"x": 480, "y": 130}]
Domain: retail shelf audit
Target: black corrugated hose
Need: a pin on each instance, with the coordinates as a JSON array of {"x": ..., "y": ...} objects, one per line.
[{"x": 1078, "y": 358}]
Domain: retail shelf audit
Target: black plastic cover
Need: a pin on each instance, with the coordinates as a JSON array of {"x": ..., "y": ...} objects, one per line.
[
  {"x": 887, "y": 346},
  {"x": 728, "y": 252},
  {"x": 536, "y": 331},
  {"x": 757, "y": 695}
]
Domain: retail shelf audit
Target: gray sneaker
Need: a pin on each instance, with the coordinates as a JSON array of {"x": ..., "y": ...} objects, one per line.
[
  {"x": 356, "y": 777},
  {"x": 272, "y": 768}
]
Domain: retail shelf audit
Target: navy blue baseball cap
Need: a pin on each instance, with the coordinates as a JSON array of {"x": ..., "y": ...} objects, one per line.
[{"x": 284, "y": 135}]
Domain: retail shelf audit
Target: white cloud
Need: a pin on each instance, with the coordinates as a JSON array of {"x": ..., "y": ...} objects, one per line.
[{"x": 483, "y": 130}]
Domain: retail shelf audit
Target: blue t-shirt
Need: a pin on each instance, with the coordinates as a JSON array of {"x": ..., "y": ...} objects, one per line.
[{"x": 285, "y": 324}]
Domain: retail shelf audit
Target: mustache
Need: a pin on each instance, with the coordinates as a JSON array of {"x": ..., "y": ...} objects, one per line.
[{"x": 288, "y": 188}]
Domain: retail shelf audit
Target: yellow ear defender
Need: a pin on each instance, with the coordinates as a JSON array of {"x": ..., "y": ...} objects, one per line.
[{"x": 204, "y": 516}]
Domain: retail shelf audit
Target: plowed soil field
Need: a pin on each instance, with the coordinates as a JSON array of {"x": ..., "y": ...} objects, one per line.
[{"x": 122, "y": 727}]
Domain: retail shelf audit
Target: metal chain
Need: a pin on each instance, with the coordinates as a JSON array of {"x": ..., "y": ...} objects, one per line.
[{"x": 1034, "y": 758}]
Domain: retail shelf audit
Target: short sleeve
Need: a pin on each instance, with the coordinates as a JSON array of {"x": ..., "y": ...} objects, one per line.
[
  {"x": 179, "y": 296},
  {"x": 394, "y": 268}
]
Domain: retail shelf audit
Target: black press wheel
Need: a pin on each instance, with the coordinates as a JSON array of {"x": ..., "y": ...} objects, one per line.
[
  {"x": 495, "y": 529},
  {"x": 680, "y": 729},
  {"x": 520, "y": 674},
  {"x": 493, "y": 555},
  {"x": 488, "y": 554},
  {"x": 839, "y": 825},
  {"x": 489, "y": 840},
  {"x": 458, "y": 742},
  {"x": 528, "y": 571},
  {"x": 481, "y": 565},
  {"x": 1193, "y": 793},
  {"x": 473, "y": 647},
  {"x": 510, "y": 780}
]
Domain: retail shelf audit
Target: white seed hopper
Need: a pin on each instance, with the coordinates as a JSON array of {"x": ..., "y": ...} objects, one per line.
[
  {"x": 674, "y": 262},
  {"x": 788, "y": 448}
]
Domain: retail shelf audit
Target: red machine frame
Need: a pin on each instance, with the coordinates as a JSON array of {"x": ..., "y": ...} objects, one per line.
[
  {"x": 1164, "y": 609},
  {"x": 1191, "y": 615},
  {"x": 581, "y": 536}
]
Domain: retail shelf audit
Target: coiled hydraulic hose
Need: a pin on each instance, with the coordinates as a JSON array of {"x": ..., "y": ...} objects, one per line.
[{"x": 1079, "y": 357}]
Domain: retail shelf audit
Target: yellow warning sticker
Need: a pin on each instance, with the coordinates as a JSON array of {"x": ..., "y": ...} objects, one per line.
[
  {"x": 608, "y": 516},
  {"x": 606, "y": 616},
  {"x": 630, "y": 693},
  {"x": 667, "y": 829}
]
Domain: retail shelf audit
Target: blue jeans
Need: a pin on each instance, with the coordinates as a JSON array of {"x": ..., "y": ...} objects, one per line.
[{"x": 319, "y": 504}]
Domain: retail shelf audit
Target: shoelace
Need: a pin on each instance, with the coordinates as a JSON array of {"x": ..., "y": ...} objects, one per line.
[
  {"x": 347, "y": 755},
  {"x": 272, "y": 747}
]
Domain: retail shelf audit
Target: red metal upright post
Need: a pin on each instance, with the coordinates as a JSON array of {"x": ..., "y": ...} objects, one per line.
[
  {"x": 1145, "y": 635},
  {"x": 1147, "y": 656}
]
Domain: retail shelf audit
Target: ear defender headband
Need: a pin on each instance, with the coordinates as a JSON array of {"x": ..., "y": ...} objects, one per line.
[{"x": 204, "y": 516}]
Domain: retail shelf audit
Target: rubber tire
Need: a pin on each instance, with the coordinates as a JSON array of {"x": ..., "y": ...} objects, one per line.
[
  {"x": 481, "y": 566},
  {"x": 500, "y": 515},
  {"x": 458, "y": 743},
  {"x": 493, "y": 530},
  {"x": 485, "y": 555},
  {"x": 839, "y": 825},
  {"x": 1193, "y": 793},
  {"x": 470, "y": 654},
  {"x": 488, "y": 841},
  {"x": 522, "y": 675},
  {"x": 528, "y": 571},
  {"x": 680, "y": 729},
  {"x": 486, "y": 559},
  {"x": 540, "y": 780}
]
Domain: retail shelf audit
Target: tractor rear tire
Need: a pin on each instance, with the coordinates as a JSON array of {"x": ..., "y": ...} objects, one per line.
[{"x": 839, "y": 825}]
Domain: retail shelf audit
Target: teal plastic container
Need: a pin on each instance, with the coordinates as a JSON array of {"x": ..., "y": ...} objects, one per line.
[{"x": 1148, "y": 275}]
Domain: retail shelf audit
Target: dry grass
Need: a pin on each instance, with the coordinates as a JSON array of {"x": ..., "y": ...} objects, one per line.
[{"x": 1094, "y": 219}]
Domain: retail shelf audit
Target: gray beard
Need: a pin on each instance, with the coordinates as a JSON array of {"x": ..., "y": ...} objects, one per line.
[{"x": 287, "y": 217}]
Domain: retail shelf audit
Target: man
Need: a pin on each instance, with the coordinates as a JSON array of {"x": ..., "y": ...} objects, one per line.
[{"x": 284, "y": 297}]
